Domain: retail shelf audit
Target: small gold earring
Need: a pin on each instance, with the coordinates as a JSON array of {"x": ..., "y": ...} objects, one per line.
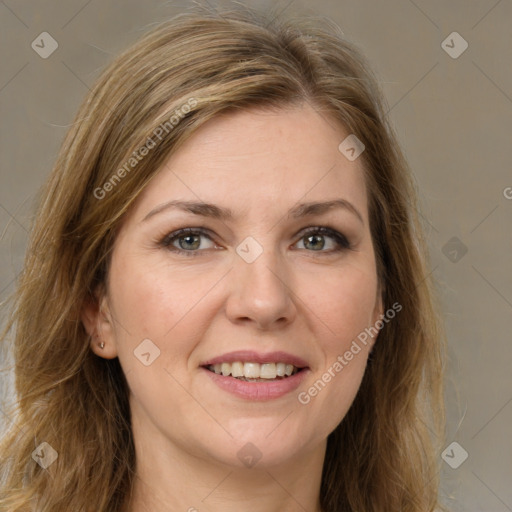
[{"x": 102, "y": 344}]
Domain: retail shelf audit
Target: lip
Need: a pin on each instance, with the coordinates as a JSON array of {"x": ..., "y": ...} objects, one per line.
[
  {"x": 258, "y": 391},
  {"x": 249, "y": 356}
]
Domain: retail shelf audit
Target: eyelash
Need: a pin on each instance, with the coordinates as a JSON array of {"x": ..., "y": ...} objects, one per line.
[{"x": 340, "y": 239}]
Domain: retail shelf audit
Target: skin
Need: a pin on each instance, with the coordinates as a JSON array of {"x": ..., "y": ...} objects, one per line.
[{"x": 298, "y": 296}]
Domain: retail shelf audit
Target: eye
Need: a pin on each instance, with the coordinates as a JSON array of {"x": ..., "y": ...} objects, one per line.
[
  {"x": 314, "y": 238},
  {"x": 186, "y": 241}
]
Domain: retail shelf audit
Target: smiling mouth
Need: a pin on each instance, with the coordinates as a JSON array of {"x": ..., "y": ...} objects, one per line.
[{"x": 254, "y": 372}]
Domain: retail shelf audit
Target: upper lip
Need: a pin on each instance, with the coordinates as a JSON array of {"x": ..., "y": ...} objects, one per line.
[{"x": 257, "y": 357}]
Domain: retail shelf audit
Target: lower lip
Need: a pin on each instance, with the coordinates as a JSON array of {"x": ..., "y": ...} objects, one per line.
[{"x": 258, "y": 391}]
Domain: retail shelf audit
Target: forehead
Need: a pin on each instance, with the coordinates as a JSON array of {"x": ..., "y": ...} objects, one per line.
[{"x": 260, "y": 161}]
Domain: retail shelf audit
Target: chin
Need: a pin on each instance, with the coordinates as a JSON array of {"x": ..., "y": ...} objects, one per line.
[{"x": 264, "y": 443}]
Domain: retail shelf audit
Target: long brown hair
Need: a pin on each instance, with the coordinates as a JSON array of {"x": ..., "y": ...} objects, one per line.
[{"x": 384, "y": 454}]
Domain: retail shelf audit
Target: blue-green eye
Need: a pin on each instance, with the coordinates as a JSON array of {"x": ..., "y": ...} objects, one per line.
[
  {"x": 316, "y": 236},
  {"x": 186, "y": 240}
]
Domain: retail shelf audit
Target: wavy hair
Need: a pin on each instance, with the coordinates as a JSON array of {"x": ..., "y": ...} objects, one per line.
[{"x": 214, "y": 62}]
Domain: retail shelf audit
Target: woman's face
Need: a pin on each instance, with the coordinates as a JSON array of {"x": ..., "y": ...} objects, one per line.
[{"x": 254, "y": 285}]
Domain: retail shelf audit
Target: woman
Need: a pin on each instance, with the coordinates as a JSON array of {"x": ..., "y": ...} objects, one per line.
[{"x": 225, "y": 303}]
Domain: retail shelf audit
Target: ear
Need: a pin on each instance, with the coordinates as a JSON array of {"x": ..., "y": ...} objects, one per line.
[{"x": 97, "y": 320}]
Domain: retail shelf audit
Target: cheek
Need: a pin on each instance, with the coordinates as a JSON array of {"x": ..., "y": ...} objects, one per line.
[
  {"x": 145, "y": 298},
  {"x": 343, "y": 303},
  {"x": 141, "y": 298}
]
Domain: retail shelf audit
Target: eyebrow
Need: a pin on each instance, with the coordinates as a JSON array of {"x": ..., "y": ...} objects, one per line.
[{"x": 224, "y": 214}]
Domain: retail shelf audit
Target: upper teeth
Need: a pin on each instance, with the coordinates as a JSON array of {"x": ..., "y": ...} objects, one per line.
[{"x": 254, "y": 370}]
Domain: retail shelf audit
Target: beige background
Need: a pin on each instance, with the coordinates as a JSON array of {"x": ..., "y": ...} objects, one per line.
[{"x": 454, "y": 119}]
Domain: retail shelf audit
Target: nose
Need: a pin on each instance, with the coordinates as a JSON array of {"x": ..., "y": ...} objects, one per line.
[{"x": 261, "y": 293}]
